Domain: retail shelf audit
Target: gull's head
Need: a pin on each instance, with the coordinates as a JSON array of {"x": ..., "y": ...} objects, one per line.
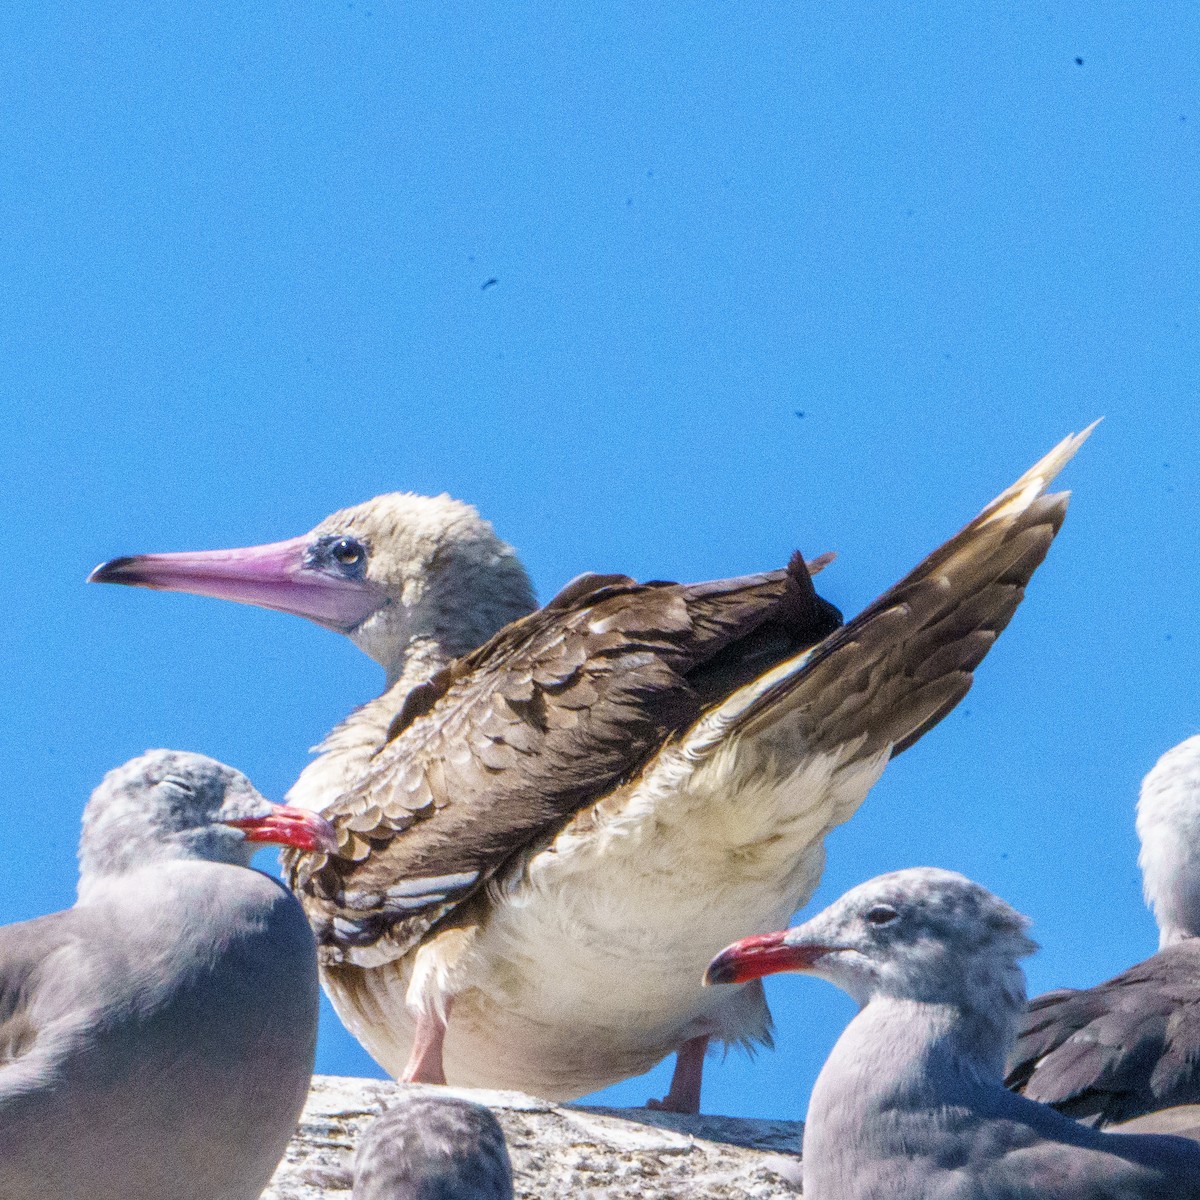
[
  {"x": 169, "y": 805},
  {"x": 1168, "y": 824},
  {"x": 923, "y": 934},
  {"x": 386, "y": 573},
  {"x": 431, "y": 1147}
]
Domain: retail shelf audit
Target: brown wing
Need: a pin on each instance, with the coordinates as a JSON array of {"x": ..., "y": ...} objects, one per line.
[
  {"x": 499, "y": 750},
  {"x": 894, "y": 671}
]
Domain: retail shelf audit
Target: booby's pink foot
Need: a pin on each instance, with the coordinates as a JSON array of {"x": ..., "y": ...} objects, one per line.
[
  {"x": 425, "y": 1059},
  {"x": 684, "y": 1095}
]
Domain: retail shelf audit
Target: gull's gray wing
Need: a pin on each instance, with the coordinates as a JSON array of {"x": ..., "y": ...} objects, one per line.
[
  {"x": 1031, "y": 1152},
  {"x": 42, "y": 963},
  {"x": 1126, "y": 1047},
  {"x": 158, "y": 1043},
  {"x": 987, "y": 1144}
]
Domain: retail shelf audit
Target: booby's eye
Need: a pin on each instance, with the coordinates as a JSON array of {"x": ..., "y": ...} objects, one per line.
[
  {"x": 882, "y": 914},
  {"x": 347, "y": 551},
  {"x": 338, "y": 554}
]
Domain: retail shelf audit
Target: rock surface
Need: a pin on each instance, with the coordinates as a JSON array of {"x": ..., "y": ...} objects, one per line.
[{"x": 560, "y": 1151}]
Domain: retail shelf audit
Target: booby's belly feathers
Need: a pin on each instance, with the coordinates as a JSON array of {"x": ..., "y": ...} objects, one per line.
[{"x": 587, "y": 967}]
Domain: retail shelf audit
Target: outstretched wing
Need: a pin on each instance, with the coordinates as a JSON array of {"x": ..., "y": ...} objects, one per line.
[
  {"x": 498, "y": 751},
  {"x": 877, "y": 684}
]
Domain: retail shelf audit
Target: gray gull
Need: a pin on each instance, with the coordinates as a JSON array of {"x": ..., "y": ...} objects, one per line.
[
  {"x": 911, "y": 1104},
  {"x": 1131, "y": 1046},
  {"x": 433, "y": 1148},
  {"x": 157, "y": 1039}
]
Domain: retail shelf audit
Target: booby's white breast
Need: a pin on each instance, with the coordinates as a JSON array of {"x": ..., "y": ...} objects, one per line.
[{"x": 588, "y": 967}]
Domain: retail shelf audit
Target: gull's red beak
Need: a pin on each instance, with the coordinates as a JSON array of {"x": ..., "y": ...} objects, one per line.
[
  {"x": 277, "y": 576},
  {"x": 286, "y": 826},
  {"x": 764, "y": 954}
]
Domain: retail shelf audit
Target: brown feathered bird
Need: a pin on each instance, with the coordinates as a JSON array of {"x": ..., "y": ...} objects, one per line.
[{"x": 547, "y": 827}]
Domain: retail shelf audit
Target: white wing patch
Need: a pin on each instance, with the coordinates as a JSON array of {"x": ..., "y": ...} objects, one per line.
[{"x": 417, "y": 893}]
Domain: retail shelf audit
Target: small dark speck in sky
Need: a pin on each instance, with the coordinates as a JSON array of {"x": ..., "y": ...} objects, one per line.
[
  {"x": 489, "y": 283},
  {"x": 800, "y": 413},
  {"x": 629, "y": 202},
  {"x": 1004, "y": 856},
  {"x": 1182, "y": 117},
  {"x": 1079, "y": 62},
  {"x": 1169, "y": 638}
]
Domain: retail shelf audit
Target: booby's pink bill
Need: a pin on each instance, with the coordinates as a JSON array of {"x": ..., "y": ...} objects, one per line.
[{"x": 278, "y": 575}]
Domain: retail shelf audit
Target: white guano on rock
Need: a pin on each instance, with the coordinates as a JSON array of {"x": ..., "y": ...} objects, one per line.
[{"x": 559, "y": 1152}]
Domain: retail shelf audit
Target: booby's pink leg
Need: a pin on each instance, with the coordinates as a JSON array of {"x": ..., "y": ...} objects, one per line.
[
  {"x": 684, "y": 1096},
  {"x": 425, "y": 1058}
]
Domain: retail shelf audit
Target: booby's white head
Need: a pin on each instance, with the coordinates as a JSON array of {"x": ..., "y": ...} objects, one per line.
[
  {"x": 924, "y": 935},
  {"x": 1168, "y": 824},
  {"x": 390, "y": 573},
  {"x": 168, "y": 805}
]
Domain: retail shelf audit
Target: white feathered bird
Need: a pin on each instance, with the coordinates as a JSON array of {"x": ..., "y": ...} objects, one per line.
[{"x": 543, "y": 840}]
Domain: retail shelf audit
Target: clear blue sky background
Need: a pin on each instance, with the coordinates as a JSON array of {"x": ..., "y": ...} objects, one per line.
[{"x": 767, "y": 275}]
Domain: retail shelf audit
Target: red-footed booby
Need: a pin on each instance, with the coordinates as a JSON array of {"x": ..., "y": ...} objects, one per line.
[
  {"x": 157, "y": 1039},
  {"x": 433, "y": 1148},
  {"x": 910, "y": 1104},
  {"x": 1131, "y": 1046},
  {"x": 609, "y": 788}
]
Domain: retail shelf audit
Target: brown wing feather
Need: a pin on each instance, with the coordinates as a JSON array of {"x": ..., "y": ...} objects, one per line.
[
  {"x": 500, "y": 749},
  {"x": 895, "y": 670}
]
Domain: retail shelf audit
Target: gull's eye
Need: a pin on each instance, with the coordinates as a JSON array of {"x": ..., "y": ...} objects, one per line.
[{"x": 882, "y": 914}]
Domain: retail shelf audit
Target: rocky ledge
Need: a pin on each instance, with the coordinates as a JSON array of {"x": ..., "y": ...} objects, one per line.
[{"x": 560, "y": 1152}]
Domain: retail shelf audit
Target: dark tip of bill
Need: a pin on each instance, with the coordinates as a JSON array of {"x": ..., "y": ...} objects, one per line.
[
  {"x": 718, "y": 971},
  {"x": 116, "y": 570}
]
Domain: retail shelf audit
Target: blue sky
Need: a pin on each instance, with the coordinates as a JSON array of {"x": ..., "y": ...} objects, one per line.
[{"x": 767, "y": 276}]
